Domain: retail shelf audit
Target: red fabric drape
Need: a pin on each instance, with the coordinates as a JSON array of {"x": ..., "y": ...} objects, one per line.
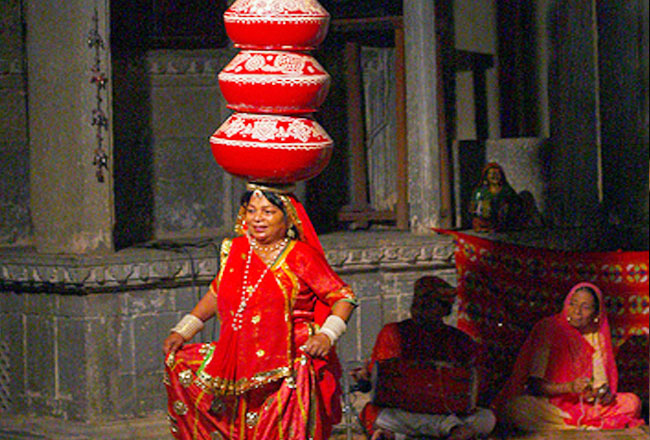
[{"x": 504, "y": 289}]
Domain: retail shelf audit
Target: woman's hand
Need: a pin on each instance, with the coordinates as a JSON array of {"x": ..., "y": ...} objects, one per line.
[
  {"x": 172, "y": 343},
  {"x": 580, "y": 385},
  {"x": 607, "y": 399},
  {"x": 317, "y": 346}
]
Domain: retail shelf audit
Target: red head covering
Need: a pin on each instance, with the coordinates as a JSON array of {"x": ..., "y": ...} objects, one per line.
[{"x": 570, "y": 351}]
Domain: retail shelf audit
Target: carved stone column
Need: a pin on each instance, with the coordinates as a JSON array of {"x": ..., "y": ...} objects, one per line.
[
  {"x": 422, "y": 111},
  {"x": 72, "y": 212}
]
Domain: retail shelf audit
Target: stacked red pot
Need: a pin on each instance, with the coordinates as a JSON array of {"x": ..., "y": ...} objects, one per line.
[{"x": 274, "y": 85}]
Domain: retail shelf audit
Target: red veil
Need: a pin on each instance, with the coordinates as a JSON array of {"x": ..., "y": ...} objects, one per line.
[{"x": 570, "y": 351}]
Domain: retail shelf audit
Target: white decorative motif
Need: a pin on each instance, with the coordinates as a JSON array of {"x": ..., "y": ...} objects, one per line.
[
  {"x": 271, "y": 145},
  {"x": 266, "y": 127},
  {"x": 291, "y": 81},
  {"x": 287, "y": 63},
  {"x": 274, "y": 68},
  {"x": 273, "y": 7},
  {"x": 274, "y": 20}
]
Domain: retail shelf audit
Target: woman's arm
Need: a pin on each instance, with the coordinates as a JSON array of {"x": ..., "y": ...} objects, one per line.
[
  {"x": 320, "y": 344},
  {"x": 541, "y": 387},
  {"x": 204, "y": 310}
]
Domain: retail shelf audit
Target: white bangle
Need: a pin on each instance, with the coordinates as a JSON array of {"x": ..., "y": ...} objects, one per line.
[
  {"x": 333, "y": 327},
  {"x": 187, "y": 327}
]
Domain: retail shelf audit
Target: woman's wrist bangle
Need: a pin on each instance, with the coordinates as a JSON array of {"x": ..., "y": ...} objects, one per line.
[
  {"x": 333, "y": 327},
  {"x": 187, "y": 327}
]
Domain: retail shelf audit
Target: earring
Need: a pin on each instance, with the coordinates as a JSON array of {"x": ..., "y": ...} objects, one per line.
[
  {"x": 568, "y": 319},
  {"x": 596, "y": 319},
  {"x": 291, "y": 233}
]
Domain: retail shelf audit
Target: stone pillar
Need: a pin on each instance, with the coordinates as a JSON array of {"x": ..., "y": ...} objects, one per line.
[
  {"x": 574, "y": 171},
  {"x": 623, "y": 91},
  {"x": 71, "y": 211},
  {"x": 421, "y": 110},
  {"x": 14, "y": 166}
]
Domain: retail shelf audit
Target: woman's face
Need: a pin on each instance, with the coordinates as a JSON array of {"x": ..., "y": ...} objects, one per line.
[
  {"x": 266, "y": 222},
  {"x": 581, "y": 309},
  {"x": 493, "y": 176}
]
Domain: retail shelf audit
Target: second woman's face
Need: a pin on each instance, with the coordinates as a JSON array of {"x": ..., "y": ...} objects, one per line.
[
  {"x": 266, "y": 222},
  {"x": 581, "y": 309},
  {"x": 494, "y": 176}
]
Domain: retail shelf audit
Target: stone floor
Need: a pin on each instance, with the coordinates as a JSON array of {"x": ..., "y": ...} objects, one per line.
[
  {"x": 154, "y": 427},
  {"x": 642, "y": 433}
]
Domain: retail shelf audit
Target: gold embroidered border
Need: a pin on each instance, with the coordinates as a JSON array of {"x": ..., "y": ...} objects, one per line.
[{"x": 222, "y": 386}]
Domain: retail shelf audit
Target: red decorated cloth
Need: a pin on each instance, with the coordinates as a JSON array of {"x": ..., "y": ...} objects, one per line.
[
  {"x": 405, "y": 340},
  {"x": 255, "y": 382},
  {"x": 504, "y": 289}
]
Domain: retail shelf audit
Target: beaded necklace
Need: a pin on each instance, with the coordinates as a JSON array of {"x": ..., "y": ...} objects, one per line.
[
  {"x": 247, "y": 290},
  {"x": 274, "y": 248}
]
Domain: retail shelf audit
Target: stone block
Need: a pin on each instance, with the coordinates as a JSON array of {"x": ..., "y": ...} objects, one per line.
[
  {"x": 101, "y": 360},
  {"x": 38, "y": 404},
  {"x": 71, "y": 359},
  {"x": 73, "y": 410},
  {"x": 123, "y": 394},
  {"x": 39, "y": 354},
  {"x": 172, "y": 102},
  {"x": 71, "y": 305},
  {"x": 347, "y": 345},
  {"x": 147, "y": 405},
  {"x": 371, "y": 322},
  {"x": 146, "y": 302},
  {"x": 390, "y": 309},
  {"x": 185, "y": 298},
  {"x": 11, "y": 303},
  {"x": 187, "y": 190},
  {"x": 150, "y": 389},
  {"x": 93, "y": 305},
  {"x": 149, "y": 333},
  {"x": 12, "y": 366},
  {"x": 40, "y": 303},
  {"x": 367, "y": 284},
  {"x": 126, "y": 345}
]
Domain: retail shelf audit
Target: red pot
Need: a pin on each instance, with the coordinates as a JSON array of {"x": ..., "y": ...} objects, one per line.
[
  {"x": 271, "y": 148},
  {"x": 276, "y": 24},
  {"x": 274, "y": 82}
]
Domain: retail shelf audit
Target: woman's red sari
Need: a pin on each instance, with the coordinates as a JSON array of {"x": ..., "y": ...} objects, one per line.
[
  {"x": 570, "y": 357},
  {"x": 255, "y": 382}
]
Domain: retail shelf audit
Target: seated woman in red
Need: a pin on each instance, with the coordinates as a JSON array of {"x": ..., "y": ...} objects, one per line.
[{"x": 565, "y": 376}]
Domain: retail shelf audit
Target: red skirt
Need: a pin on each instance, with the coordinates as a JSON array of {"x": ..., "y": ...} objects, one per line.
[{"x": 304, "y": 408}]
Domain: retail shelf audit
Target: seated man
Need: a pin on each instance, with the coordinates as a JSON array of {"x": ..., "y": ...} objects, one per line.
[{"x": 424, "y": 337}]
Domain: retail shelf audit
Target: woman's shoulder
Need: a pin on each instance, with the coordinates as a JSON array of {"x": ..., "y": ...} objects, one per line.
[
  {"x": 305, "y": 249},
  {"x": 230, "y": 242},
  {"x": 238, "y": 241}
]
